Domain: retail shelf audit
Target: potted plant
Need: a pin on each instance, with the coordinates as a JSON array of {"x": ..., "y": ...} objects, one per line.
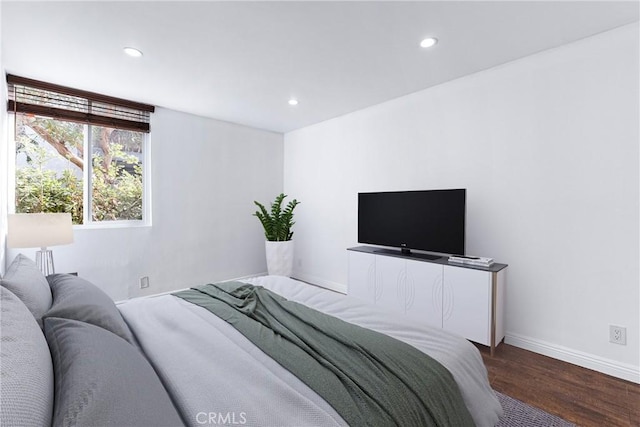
[{"x": 277, "y": 225}]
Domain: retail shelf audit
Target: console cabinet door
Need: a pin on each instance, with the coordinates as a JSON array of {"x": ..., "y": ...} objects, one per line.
[
  {"x": 420, "y": 295},
  {"x": 389, "y": 272},
  {"x": 467, "y": 303},
  {"x": 410, "y": 288},
  {"x": 361, "y": 280}
]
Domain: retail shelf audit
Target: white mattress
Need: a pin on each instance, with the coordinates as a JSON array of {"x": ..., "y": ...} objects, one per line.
[{"x": 213, "y": 372}]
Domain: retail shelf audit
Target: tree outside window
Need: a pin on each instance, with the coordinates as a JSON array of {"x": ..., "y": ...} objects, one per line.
[{"x": 55, "y": 157}]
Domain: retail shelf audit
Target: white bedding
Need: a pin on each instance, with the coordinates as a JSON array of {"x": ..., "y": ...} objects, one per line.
[{"x": 216, "y": 376}]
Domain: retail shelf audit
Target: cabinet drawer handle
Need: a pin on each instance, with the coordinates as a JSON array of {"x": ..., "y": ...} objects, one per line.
[
  {"x": 447, "y": 302},
  {"x": 377, "y": 288},
  {"x": 406, "y": 291},
  {"x": 371, "y": 280},
  {"x": 436, "y": 294}
]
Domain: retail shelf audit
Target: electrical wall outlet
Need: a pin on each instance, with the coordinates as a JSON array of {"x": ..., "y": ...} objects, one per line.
[
  {"x": 144, "y": 282},
  {"x": 618, "y": 334}
]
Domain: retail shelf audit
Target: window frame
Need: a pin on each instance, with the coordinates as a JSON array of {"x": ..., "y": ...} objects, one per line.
[{"x": 88, "y": 222}]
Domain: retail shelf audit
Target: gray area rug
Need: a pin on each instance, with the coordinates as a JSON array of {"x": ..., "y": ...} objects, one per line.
[{"x": 519, "y": 414}]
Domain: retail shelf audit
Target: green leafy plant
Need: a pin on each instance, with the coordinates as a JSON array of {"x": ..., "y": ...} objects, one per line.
[
  {"x": 39, "y": 189},
  {"x": 277, "y": 223}
]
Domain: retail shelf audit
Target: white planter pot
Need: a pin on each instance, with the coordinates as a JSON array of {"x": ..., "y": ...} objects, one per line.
[{"x": 279, "y": 258}]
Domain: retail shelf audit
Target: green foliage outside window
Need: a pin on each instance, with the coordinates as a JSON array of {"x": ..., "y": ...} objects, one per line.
[
  {"x": 117, "y": 194},
  {"x": 42, "y": 190},
  {"x": 116, "y": 177}
]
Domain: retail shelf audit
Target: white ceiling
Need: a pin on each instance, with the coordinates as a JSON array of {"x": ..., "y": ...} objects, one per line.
[{"x": 242, "y": 61}]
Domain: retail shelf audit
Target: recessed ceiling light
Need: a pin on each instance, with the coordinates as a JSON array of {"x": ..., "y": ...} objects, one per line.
[
  {"x": 293, "y": 101},
  {"x": 133, "y": 52},
  {"x": 429, "y": 42}
]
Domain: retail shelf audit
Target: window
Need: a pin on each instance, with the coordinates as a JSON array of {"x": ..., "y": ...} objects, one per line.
[{"x": 79, "y": 152}]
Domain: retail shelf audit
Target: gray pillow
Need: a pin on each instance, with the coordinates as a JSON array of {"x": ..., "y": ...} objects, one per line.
[
  {"x": 78, "y": 299},
  {"x": 26, "y": 371},
  {"x": 27, "y": 282},
  {"x": 102, "y": 380}
]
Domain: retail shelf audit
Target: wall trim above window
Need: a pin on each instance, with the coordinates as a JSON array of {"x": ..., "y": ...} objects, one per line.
[{"x": 60, "y": 102}]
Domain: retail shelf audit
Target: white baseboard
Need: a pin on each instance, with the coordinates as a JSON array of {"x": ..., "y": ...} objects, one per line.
[
  {"x": 334, "y": 286},
  {"x": 250, "y": 276},
  {"x": 614, "y": 368}
]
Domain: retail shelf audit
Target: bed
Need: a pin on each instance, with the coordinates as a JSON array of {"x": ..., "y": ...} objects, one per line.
[{"x": 70, "y": 356}]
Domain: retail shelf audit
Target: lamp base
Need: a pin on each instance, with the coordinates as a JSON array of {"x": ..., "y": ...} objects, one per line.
[{"x": 44, "y": 261}]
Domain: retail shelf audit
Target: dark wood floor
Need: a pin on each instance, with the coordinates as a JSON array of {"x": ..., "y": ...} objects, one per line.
[{"x": 582, "y": 396}]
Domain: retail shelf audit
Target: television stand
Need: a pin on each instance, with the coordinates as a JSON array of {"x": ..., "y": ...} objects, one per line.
[
  {"x": 406, "y": 253},
  {"x": 463, "y": 299}
]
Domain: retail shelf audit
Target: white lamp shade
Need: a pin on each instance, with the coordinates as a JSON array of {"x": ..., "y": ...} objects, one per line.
[{"x": 39, "y": 230}]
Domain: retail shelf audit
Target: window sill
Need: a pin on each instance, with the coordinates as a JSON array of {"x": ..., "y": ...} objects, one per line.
[{"x": 112, "y": 224}]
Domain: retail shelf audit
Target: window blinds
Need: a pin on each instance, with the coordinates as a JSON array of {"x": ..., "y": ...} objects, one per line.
[{"x": 45, "y": 99}]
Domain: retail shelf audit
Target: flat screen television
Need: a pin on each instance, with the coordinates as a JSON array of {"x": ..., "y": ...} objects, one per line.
[{"x": 431, "y": 220}]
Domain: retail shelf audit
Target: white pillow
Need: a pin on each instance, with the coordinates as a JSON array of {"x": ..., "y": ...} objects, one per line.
[
  {"x": 26, "y": 369},
  {"x": 102, "y": 380},
  {"x": 26, "y": 281},
  {"x": 79, "y": 299}
]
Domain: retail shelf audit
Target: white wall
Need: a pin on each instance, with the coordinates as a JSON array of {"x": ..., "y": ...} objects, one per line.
[
  {"x": 205, "y": 176},
  {"x": 547, "y": 147}
]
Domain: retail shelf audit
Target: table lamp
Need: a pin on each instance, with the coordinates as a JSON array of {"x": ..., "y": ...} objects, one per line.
[{"x": 32, "y": 230}]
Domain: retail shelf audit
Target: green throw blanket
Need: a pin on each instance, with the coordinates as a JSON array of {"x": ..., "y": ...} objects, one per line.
[{"x": 369, "y": 378}]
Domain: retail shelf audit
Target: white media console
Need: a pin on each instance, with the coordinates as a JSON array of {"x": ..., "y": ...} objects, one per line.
[{"x": 463, "y": 299}]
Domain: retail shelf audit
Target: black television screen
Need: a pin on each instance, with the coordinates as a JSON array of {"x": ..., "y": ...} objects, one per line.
[{"x": 431, "y": 220}]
